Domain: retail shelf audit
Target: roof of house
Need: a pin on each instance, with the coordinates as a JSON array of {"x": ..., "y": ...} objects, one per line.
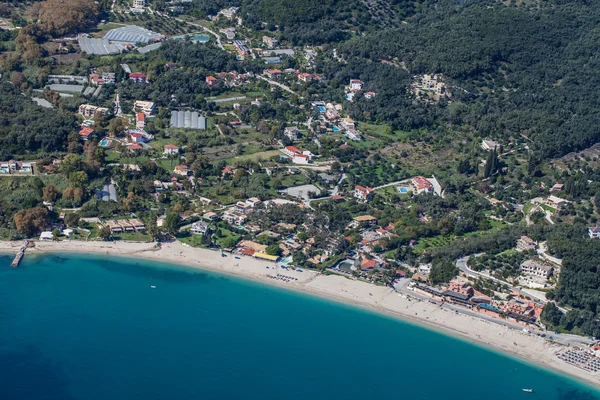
[
  {"x": 181, "y": 167},
  {"x": 171, "y": 146},
  {"x": 368, "y": 263},
  {"x": 594, "y": 229},
  {"x": 421, "y": 183},
  {"x": 137, "y": 75},
  {"x": 211, "y": 78},
  {"x": 135, "y": 146},
  {"x": 293, "y": 149},
  {"x": 136, "y": 135},
  {"x": 363, "y": 189},
  {"x": 301, "y": 155},
  {"x": 140, "y": 116}
]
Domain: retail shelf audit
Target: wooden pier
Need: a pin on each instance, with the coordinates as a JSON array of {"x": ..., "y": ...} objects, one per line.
[{"x": 20, "y": 254}]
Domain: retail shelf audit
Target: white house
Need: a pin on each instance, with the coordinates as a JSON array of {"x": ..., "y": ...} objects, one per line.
[
  {"x": 301, "y": 159},
  {"x": 170, "y": 149},
  {"x": 421, "y": 185},
  {"x": 363, "y": 193},
  {"x": 46, "y": 236},
  {"x": 136, "y": 137},
  {"x": 199, "y": 228},
  {"x": 487, "y": 144},
  {"x": 292, "y": 133},
  {"x": 147, "y": 107},
  {"x": 594, "y": 232},
  {"x": 536, "y": 268},
  {"x": 356, "y": 85}
]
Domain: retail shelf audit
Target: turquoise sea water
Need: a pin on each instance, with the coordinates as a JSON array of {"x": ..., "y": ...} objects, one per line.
[{"x": 83, "y": 327}]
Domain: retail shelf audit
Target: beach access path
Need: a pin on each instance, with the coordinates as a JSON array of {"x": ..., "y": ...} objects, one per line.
[{"x": 338, "y": 288}]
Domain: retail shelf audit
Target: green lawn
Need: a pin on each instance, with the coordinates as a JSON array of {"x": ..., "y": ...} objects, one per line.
[
  {"x": 433, "y": 242},
  {"x": 265, "y": 155},
  {"x": 133, "y": 236},
  {"x": 189, "y": 239}
]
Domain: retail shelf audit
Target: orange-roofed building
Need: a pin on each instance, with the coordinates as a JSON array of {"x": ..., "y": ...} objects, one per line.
[
  {"x": 368, "y": 264},
  {"x": 363, "y": 193},
  {"x": 140, "y": 120},
  {"x": 85, "y": 132},
  {"x": 211, "y": 80},
  {"x": 422, "y": 185}
]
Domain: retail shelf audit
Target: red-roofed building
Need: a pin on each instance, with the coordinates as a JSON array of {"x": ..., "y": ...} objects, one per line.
[
  {"x": 181, "y": 170},
  {"x": 226, "y": 171},
  {"x": 337, "y": 198},
  {"x": 304, "y": 77},
  {"x": 301, "y": 159},
  {"x": 140, "y": 120},
  {"x": 363, "y": 193},
  {"x": 171, "y": 149},
  {"x": 368, "y": 264},
  {"x": 272, "y": 73},
  {"x": 400, "y": 273},
  {"x": 135, "y": 147},
  {"x": 136, "y": 137},
  {"x": 422, "y": 185},
  {"x": 136, "y": 77},
  {"x": 211, "y": 80},
  {"x": 85, "y": 132},
  {"x": 247, "y": 252},
  {"x": 290, "y": 151}
]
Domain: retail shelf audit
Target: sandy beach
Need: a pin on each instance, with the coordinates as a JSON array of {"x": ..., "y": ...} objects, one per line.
[{"x": 380, "y": 299}]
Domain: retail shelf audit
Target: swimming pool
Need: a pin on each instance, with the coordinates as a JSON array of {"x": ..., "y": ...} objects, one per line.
[
  {"x": 105, "y": 142},
  {"x": 335, "y": 129},
  {"x": 194, "y": 37},
  {"x": 321, "y": 109},
  {"x": 403, "y": 189}
]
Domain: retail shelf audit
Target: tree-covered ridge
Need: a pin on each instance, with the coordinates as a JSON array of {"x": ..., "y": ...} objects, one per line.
[
  {"x": 515, "y": 70},
  {"x": 25, "y": 126}
]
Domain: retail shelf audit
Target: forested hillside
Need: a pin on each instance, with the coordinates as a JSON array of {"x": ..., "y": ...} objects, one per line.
[
  {"x": 26, "y": 127},
  {"x": 516, "y": 70}
]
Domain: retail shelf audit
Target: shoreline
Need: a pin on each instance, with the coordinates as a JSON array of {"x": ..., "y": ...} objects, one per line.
[{"x": 533, "y": 350}]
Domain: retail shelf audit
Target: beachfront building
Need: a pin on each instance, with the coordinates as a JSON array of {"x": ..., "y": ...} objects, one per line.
[
  {"x": 536, "y": 268},
  {"x": 46, "y": 236},
  {"x": 199, "y": 228}
]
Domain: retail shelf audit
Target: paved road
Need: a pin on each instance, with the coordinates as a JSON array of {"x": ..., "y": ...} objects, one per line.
[
  {"x": 227, "y": 99},
  {"x": 391, "y": 184},
  {"x": 281, "y": 85}
]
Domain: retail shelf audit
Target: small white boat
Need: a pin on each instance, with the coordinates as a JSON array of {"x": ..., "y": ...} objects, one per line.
[
  {"x": 528, "y": 390},
  {"x": 153, "y": 287}
]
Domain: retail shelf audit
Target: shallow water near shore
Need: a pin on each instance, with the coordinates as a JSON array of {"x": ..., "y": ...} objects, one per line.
[{"x": 92, "y": 327}]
